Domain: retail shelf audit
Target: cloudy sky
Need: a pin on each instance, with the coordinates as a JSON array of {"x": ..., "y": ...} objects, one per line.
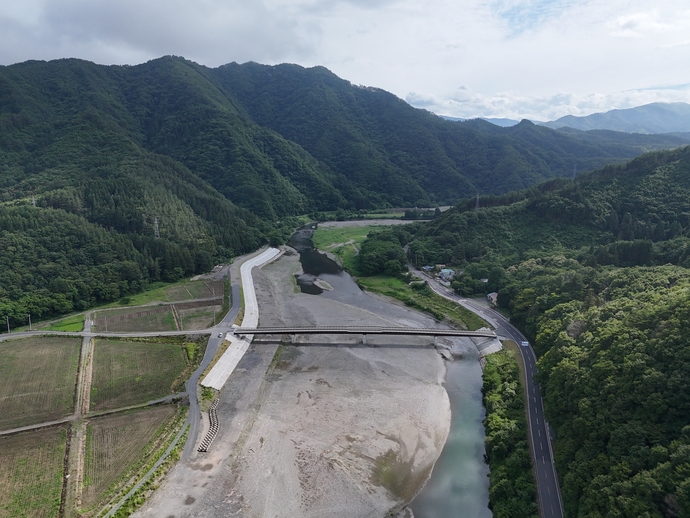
[{"x": 537, "y": 59}]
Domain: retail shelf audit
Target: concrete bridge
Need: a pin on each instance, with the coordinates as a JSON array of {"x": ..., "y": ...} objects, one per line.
[{"x": 355, "y": 330}]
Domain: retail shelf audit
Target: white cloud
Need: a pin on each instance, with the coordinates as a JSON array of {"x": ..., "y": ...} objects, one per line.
[
  {"x": 639, "y": 24},
  {"x": 516, "y": 58}
]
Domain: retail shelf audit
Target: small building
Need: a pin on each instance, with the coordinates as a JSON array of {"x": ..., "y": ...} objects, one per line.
[
  {"x": 427, "y": 268},
  {"x": 446, "y": 274},
  {"x": 484, "y": 280},
  {"x": 493, "y": 298}
]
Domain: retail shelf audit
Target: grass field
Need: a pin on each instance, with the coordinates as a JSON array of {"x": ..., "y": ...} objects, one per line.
[
  {"x": 37, "y": 378},
  {"x": 344, "y": 242},
  {"x": 31, "y": 473},
  {"x": 424, "y": 300},
  {"x": 128, "y": 373},
  {"x": 149, "y": 318},
  {"x": 117, "y": 443},
  {"x": 183, "y": 290},
  {"x": 73, "y": 323}
]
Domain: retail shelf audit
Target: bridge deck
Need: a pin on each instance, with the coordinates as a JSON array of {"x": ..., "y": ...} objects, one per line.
[{"x": 335, "y": 330}]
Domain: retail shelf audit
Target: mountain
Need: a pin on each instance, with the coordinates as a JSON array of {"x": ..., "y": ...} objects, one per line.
[
  {"x": 374, "y": 138},
  {"x": 498, "y": 121},
  {"x": 94, "y": 159},
  {"x": 596, "y": 272},
  {"x": 647, "y": 119}
]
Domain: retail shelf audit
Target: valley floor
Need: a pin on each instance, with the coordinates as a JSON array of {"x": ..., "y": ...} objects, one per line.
[{"x": 320, "y": 429}]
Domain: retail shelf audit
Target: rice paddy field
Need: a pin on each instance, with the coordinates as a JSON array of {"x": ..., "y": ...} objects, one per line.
[
  {"x": 31, "y": 473},
  {"x": 117, "y": 444},
  {"x": 37, "y": 379},
  {"x": 133, "y": 372}
]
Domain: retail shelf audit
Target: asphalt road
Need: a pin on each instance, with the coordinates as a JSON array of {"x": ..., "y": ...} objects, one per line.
[
  {"x": 548, "y": 490},
  {"x": 214, "y": 343}
]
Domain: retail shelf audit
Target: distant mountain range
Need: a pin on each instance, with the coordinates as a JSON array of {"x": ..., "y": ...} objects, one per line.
[{"x": 648, "y": 119}]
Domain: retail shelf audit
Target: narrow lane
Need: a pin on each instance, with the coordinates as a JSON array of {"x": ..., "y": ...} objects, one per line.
[{"x": 546, "y": 478}]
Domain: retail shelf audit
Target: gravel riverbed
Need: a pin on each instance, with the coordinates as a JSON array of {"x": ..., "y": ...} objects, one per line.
[{"x": 326, "y": 428}]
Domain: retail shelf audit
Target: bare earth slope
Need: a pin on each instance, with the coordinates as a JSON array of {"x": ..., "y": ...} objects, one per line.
[{"x": 324, "y": 430}]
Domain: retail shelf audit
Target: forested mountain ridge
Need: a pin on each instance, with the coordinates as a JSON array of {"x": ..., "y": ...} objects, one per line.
[
  {"x": 596, "y": 273},
  {"x": 375, "y": 138},
  {"x": 220, "y": 160}
]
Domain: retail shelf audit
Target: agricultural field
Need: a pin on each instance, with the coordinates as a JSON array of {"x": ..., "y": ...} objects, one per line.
[
  {"x": 31, "y": 473},
  {"x": 115, "y": 445},
  {"x": 199, "y": 318},
  {"x": 133, "y": 372},
  {"x": 180, "y": 291},
  {"x": 37, "y": 379},
  {"x": 148, "y": 318},
  {"x": 194, "y": 290}
]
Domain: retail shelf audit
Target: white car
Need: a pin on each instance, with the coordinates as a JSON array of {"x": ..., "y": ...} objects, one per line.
[
  {"x": 524, "y": 344},
  {"x": 220, "y": 335}
]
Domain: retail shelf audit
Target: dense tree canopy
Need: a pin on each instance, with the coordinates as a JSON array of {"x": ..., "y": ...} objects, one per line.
[{"x": 596, "y": 273}]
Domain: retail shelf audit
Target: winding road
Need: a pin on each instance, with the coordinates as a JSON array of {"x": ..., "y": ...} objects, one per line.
[{"x": 548, "y": 490}]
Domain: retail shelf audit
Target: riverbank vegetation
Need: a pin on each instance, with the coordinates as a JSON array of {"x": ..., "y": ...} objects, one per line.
[{"x": 512, "y": 492}]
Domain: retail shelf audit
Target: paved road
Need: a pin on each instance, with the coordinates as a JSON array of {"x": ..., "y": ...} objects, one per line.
[
  {"x": 214, "y": 343},
  {"x": 550, "y": 504}
]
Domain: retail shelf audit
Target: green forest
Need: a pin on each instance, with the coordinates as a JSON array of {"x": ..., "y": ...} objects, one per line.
[
  {"x": 512, "y": 492},
  {"x": 112, "y": 177},
  {"x": 595, "y": 272}
]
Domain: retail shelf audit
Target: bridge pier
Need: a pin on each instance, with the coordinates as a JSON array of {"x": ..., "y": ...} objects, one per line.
[
  {"x": 294, "y": 338},
  {"x": 435, "y": 341},
  {"x": 364, "y": 339}
]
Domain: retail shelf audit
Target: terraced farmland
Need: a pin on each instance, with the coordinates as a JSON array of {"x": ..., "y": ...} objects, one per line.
[
  {"x": 129, "y": 373},
  {"x": 118, "y": 443},
  {"x": 143, "y": 318},
  {"x": 37, "y": 379},
  {"x": 199, "y": 318},
  {"x": 194, "y": 290},
  {"x": 31, "y": 473}
]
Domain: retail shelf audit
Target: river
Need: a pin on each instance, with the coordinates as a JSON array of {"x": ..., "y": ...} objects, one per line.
[{"x": 459, "y": 484}]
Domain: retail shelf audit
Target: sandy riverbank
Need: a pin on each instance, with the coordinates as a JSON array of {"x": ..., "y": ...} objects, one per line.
[{"x": 327, "y": 429}]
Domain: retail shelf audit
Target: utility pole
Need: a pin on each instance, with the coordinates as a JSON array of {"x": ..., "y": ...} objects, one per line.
[
  {"x": 33, "y": 200},
  {"x": 106, "y": 324},
  {"x": 476, "y": 205},
  {"x": 8, "y": 323},
  {"x": 156, "y": 233},
  {"x": 30, "y": 322}
]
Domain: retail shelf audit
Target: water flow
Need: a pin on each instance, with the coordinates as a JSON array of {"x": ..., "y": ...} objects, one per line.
[{"x": 459, "y": 484}]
